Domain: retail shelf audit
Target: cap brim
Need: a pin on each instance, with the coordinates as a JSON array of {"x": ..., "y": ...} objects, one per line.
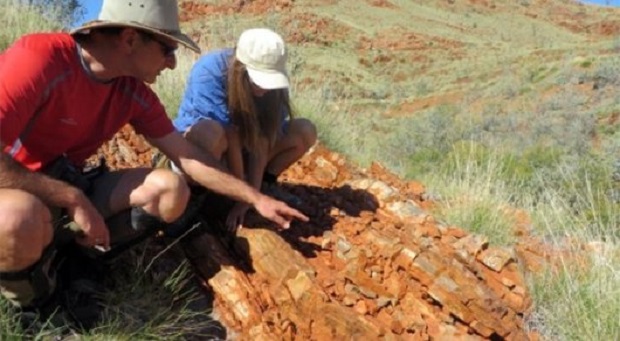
[
  {"x": 176, "y": 36},
  {"x": 268, "y": 80}
]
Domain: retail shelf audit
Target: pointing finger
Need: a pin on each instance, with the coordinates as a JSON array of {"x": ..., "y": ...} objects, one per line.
[
  {"x": 281, "y": 221},
  {"x": 293, "y": 213}
]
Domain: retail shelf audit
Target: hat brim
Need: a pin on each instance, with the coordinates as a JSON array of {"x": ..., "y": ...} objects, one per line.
[
  {"x": 176, "y": 36},
  {"x": 268, "y": 80}
]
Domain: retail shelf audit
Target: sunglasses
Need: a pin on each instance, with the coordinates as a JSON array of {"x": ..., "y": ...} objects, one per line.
[{"x": 166, "y": 49}]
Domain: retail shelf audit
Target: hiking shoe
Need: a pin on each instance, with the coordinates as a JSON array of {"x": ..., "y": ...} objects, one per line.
[
  {"x": 49, "y": 317},
  {"x": 189, "y": 218},
  {"x": 67, "y": 308},
  {"x": 144, "y": 222},
  {"x": 81, "y": 287},
  {"x": 83, "y": 303}
]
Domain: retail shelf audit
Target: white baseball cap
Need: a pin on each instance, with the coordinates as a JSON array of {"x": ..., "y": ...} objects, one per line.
[
  {"x": 262, "y": 52},
  {"x": 160, "y": 17}
]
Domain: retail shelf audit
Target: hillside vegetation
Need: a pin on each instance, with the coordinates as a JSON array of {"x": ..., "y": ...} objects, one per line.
[{"x": 491, "y": 104}]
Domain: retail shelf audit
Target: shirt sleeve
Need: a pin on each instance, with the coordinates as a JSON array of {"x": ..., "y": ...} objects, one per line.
[
  {"x": 150, "y": 119},
  {"x": 24, "y": 78},
  {"x": 208, "y": 86}
]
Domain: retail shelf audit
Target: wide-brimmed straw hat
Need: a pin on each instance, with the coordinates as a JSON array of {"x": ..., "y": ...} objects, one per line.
[
  {"x": 263, "y": 53},
  {"x": 160, "y": 17}
]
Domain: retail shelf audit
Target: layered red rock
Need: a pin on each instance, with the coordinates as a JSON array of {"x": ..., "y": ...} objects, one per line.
[{"x": 371, "y": 263}]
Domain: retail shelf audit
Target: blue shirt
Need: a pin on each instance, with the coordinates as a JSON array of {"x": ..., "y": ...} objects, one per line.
[{"x": 205, "y": 92}]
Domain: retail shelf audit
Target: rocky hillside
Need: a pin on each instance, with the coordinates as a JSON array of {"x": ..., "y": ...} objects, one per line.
[
  {"x": 385, "y": 48},
  {"x": 373, "y": 262}
]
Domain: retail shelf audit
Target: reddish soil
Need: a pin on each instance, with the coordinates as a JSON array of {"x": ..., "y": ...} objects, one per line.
[
  {"x": 410, "y": 108},
  {"x": 191, "y": 10},
  {"x": 401, "y": 40},
  {"x": 308, "y": 28},
  {"x": 382, "y": 4},
  {"x": 610, "y": 28}
]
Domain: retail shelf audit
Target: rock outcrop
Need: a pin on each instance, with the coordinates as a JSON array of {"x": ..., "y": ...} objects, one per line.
[{"x": 371, "y": 263}]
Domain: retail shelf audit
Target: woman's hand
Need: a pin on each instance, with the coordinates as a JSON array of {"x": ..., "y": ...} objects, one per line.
[{"x": 236, "y": 216}]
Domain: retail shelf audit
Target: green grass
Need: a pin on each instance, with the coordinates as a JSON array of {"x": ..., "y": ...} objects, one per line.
[
  {"x": 18, "y": 20},
  {"x": 170, "y": 85},
  {"x": 148, "y": 303},
  {"x": 580, "y": 303},
  {"x": 148, "y": 296}
]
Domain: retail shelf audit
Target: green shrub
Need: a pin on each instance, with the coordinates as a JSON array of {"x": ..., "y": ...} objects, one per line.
[{"x": 21, "y": 19}]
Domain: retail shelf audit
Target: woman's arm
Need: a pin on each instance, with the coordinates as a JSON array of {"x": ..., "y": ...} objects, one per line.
[
  {"x": 257, "y": 162},
  {"x": 234, "y": 154}
]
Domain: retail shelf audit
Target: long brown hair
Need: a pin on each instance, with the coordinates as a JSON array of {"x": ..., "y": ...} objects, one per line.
[{"x": 255, "y": 117}]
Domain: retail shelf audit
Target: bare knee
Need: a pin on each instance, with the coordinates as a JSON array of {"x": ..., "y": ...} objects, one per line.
[
  {"x": 209, "y": 135},
  {"x": 25, "y": 231},
  {"x": 169, "y": 193},
  {"x": 305, "y": 131}
]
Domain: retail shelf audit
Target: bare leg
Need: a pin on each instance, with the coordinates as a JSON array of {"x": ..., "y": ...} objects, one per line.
[
  {"x": 301, "y": 135},
  {"x": 27, "y": 228},
  {"x": 25, "y": 231},
  {"x": 210, "y": 136},
  {"x": 160, "y": 192}
]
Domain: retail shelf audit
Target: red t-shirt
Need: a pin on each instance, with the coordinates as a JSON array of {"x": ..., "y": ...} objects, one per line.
[{"x": 51, "y": 105}]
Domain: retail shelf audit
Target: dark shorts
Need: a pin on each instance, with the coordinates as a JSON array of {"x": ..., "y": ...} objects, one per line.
[{"x": 35, "y": 284}]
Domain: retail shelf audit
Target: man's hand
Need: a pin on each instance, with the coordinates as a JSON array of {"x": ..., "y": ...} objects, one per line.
[
  {"x": 277, "y": 211},
  {"x": 56, "y": 193},
  {"x": 207, "y": 171},
  {"x": 91, "y": 223}
]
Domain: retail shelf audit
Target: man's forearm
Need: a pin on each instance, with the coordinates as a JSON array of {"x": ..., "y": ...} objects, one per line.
[
  {"x": 217, "y": 180},
  {"x": 51, "y": 191},
  {"x": 202, "y": 167}
]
